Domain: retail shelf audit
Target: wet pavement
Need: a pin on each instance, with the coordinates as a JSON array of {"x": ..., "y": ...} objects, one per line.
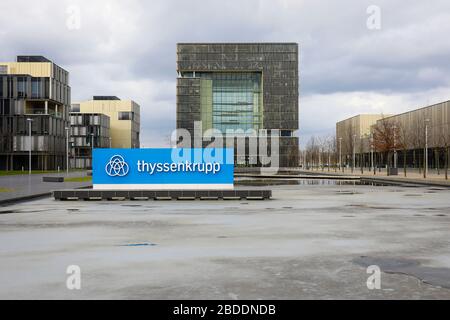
[
  {"x": 309, "y": 242},
  {"x": 16, "y": 186}
]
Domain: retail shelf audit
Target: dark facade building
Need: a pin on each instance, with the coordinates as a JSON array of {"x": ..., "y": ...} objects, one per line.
[
  {"x": 88, "y": 131},
  {"x": 241, "y": 86},
  {"x": 35, "y": 90}
]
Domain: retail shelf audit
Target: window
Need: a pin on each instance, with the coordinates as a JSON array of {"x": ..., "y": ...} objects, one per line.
[
  {"x": 231, "y": 101},
  {"x": 21, "y": 87},
  {"x": 125, "y": 115},
  {"x": 75, "y": 108}
]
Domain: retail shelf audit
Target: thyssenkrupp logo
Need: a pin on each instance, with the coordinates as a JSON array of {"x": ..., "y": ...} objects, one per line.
[{"x": 117, "y": 167}]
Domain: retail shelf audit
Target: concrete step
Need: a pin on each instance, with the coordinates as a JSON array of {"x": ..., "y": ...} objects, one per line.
[{"x": 77, "y": 194}]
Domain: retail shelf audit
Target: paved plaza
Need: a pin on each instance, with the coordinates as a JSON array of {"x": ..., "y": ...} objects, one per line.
[
  {"x": 24, "y": 185},
  {"x": 309, "y": 242}
]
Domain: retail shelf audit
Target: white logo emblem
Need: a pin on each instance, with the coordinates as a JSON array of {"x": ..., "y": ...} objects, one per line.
[{"x": 117, "y": 167}]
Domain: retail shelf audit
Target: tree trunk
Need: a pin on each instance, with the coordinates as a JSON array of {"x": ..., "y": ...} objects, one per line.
[
  {"x": 446, "y": 162},
  {"x": 380, "y": 162},
  {"x": 374, "y": 164},
  {"x": 404, "y": 161},
  {"x": 425, "y": 163},
  {"x": 436, "y": 155},
  {"x": 361, "y": 162},
  {"x": 388, "y": 162},
  {"x": 420, "y": 165}
]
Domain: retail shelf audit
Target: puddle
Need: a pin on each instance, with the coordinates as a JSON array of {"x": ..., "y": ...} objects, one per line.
[
  {"x": 247, "y": 181},
  {"x": 145, "y": 244},
  {"x": 347, "y": 192},
  {"x": 293, "y": 181},
  {"x": 434, "y": 276},
  {"x": 8, "y": 211}
]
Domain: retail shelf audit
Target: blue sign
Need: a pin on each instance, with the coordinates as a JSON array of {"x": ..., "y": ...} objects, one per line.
[{"x": 169, "y": 168}]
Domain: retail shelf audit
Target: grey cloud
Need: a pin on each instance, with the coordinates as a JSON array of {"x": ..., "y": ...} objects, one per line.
[{"x": 128, "y": 48}]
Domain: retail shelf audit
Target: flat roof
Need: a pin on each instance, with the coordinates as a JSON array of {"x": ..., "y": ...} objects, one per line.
[
  {"x": 432, "y": 105},
  {"x": 362, "y": 114},
  {"x": 105, "y": 98},
  {"x": 33, "y": 58}
]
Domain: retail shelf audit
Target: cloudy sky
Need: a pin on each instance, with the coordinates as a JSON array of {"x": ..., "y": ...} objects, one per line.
[{"x": 347, "y": 64}]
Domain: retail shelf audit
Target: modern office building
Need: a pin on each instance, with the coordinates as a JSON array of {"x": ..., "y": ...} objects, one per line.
[
  {"x": 88, "y": 130},
  {"x": 124, "y": 118},
  {"x": 350, "y": 132},
  {"x": 241, "y": 86},
  {"x": 415, "y": 130},
  {"x": 33, "y": 90}
]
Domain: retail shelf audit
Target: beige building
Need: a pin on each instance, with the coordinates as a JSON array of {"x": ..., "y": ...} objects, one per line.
[
  {"x": 428, "y": 126},
  {"x": 124, "y": 118},
  {"x": 436, "y": 117},
  {"x": 355, "y": 131}
]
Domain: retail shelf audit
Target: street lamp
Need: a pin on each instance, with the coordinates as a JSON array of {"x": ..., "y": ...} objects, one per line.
[
  {"x": 340, "y": 155},
  {"x": 29, "y": 150},
  {"x": 67, "y": 149},
  {"x": 425, "y": 171},
  {"x": 372, "y": 167},
  {"x": 395, "y": 148},
  {"x": 354, "y": 155}
]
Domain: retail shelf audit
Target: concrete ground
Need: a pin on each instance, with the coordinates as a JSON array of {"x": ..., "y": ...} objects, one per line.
[
  {"x": 16, "y": 186},
  {"x": 309, "y": 242}
]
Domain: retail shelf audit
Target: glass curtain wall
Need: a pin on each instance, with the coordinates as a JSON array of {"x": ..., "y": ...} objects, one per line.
[{"x": 231, "y": 100}]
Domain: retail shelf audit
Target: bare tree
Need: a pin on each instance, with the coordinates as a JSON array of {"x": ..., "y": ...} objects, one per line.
[
  {"x": 311, "y": 149},
  {"x": 405, "y": 139},
  {"x": 331, "y": 151},
  {"x": 387, "y": 138}
]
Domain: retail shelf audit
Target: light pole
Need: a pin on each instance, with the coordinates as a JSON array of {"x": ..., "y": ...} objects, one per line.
[
  {"x": 425, "y": 171},
  {"x": 395, "y": 148},
  {"x": 29, "y": 149},
  {"x": 110, "y": 143},
  {"x": 67, "y": 149},
  {"x": 371, "y": 153},
  {"x": 319, "y": 160},
  {"x": 340, "y": 155},
  {"x": 354, "y": 155}
]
